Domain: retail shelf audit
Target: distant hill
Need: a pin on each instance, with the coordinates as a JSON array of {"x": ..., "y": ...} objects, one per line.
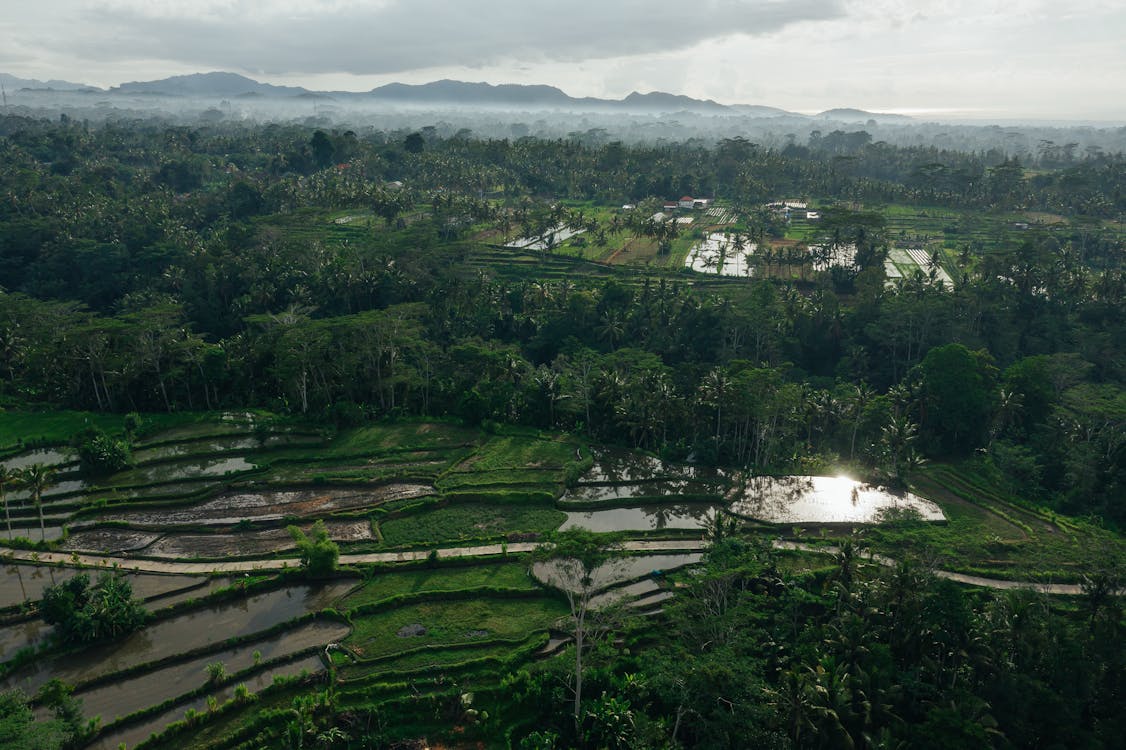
[
  {"x": 859, "y": 115},
  {"x": 660, "y": 102},
  {"x": 221, "y": 85},
  {"x": 516, "y": 95},
  {"x": 207, "y": 84},
  {"x": 471, "y": 94},
  {"x": 758, "y": 110},
  {"x": 12, "y": 84}
]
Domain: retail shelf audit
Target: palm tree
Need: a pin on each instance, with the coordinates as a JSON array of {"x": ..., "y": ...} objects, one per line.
[
  {"x": 8, "y": 478},
  {"x": 38, "y": 478},
  {"x": 859, "y": 398},
  {"x": 611, "y": 328}
]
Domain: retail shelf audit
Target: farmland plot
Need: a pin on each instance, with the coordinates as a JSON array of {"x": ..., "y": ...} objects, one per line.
[{"x": 720, "y": 255}]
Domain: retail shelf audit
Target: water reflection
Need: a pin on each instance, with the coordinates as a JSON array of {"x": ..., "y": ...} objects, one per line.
[
  {"x": 614, "y": 571},
  {"x": 618, "y": 466},
  {"x": 197, "y": 629},
  {"x": 643, "y": 518},
  {"x": 232, "y": 507},
  {"x": 826, "y": 500}
]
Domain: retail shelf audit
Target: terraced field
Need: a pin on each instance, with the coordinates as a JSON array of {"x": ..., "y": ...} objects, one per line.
[{"x": 434, "y": 523}]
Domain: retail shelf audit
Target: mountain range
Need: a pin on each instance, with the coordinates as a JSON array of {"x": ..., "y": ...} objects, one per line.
[{"x": 448, "y": 93}]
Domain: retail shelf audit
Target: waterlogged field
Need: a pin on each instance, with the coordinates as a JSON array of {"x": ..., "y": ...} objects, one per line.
[
  {"x": 203, "y": 494},
  {"x": 722, "y": 254},
  {"x": 826, "y": 500}
]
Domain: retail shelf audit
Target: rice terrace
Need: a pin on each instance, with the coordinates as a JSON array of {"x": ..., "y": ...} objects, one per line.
[
  {"x": 434, "y": 594},
  {"x": 487, "y": 417}
]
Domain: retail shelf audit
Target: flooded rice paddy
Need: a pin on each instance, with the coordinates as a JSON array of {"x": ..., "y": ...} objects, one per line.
[
  {"x": 198, "y": 629},
  {"x": 46, "y": 456},
  {"x": 20, "y": 635},
  {"x": 251, "y": 542},
  {"x": 616, "y": 571},
  {"x": 124, "y": 697},
  {"x": 643, "y": 518},
  {"x": 721, "y": 254},
  {"x": 181, "y": 470},
  {"x": 826, "y": 500},
  {"x": 22, "y": 583},
  {"x": 132, "y": 735},
  {"x": 164, "y": 452},
  {"x": 190, "y": 545},
  {"x": 598, "y": 493},
  {"x": 232, "y": 507},
  {"x": 620, "y": 467}
]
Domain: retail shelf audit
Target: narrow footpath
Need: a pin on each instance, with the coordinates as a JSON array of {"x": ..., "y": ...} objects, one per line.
[{"x": 662, "y": 545}]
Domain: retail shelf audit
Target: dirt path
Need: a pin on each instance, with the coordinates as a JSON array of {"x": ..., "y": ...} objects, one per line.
[
  {"x": 1064, "y": 589},
  {"x": 664, "y": 545}
]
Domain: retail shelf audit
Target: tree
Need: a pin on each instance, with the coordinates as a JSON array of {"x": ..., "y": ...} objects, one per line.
[
  {"x": 958, "y": 388},
  {"x": 8, "y": 478},
  {"x": 414, "y": 143},
  {"x": 37, "y": 478},
  {"x": 20, "y": 731},
  {"x": 319, "y": 554},
  {"x": 84, "y": 614},
  {"x": 572, "y": 557},
  {"x": 322, "y": 149},
  {"x": 100, "y": 454}
]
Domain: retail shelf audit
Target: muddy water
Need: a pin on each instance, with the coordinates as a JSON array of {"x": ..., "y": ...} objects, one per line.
[
  {"x": 616, "y": 571},
  {"x": 45, "y": 456},
  {"x": 213, "y": 585},
  {"x": 631, "y": 591},
  {"x": 253, "y": 542},
  {"x": 133, "y": 735},
  {"x": 21, "y": 635},
  {"x": 180, "y": 470},
  {"x": 127, "y": 696},
  {"x": 109, "y": 540},
  {"x": 644, "y": 518},
  {"x": 34, "y": 533},
  {"x": 232, "y": 507},
  {"x": 195, "y": 447},
  {"x": 220, "y": 445},
  {"x": 151, "y": 585},
  {"x": 597, "y": 493},
  {"x": 19, "y": 583},
  {"x": 64, "y": 486},
  {"x": 613, "y": 466},
  {"x": 189, "y": 631},
  {"x": 825, "y": 500},
  {"x": 164, "y": 490}
]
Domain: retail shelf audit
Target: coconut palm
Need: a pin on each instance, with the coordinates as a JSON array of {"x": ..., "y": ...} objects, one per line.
[
  {"x": 38, "y": 478},
  {"x": 8, "y": 478}
]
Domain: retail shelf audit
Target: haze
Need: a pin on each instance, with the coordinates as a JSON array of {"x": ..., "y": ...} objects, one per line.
[{"x": 980, "y": 59}]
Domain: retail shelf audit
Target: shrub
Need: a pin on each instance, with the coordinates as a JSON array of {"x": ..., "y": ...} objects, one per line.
[
  {"x": 100, "y": 454},
  {"x": 83, "y": 614},
  {"x": 319, "y": 554}
]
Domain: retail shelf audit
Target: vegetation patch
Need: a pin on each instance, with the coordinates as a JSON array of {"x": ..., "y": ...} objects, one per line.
[
  {"x": 468, "y": 522},
  {"x": 389, "y": 585},
  {"x": 452, "y": 622}
]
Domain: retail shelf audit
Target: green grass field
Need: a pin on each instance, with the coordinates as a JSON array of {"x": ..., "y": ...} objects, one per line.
[
  {"x": 466, "y": 522},
  {"x": 388, "y": 585},
  {"x": 453, "y": 622}
]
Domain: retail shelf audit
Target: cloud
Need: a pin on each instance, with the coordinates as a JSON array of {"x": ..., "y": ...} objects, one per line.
[{"x": 394, "y": 36}]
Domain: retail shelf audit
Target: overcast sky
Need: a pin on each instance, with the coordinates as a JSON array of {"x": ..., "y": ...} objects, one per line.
[{"x": 983, "y": 58}]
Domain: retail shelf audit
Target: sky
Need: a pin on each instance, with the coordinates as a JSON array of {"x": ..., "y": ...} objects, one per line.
[{"x": 960, "y": 58}]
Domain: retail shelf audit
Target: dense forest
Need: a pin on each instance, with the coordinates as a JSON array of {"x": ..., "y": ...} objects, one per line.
[
  {"x": 164, "y": 268},
  {"x": 349, "y": 279}
]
